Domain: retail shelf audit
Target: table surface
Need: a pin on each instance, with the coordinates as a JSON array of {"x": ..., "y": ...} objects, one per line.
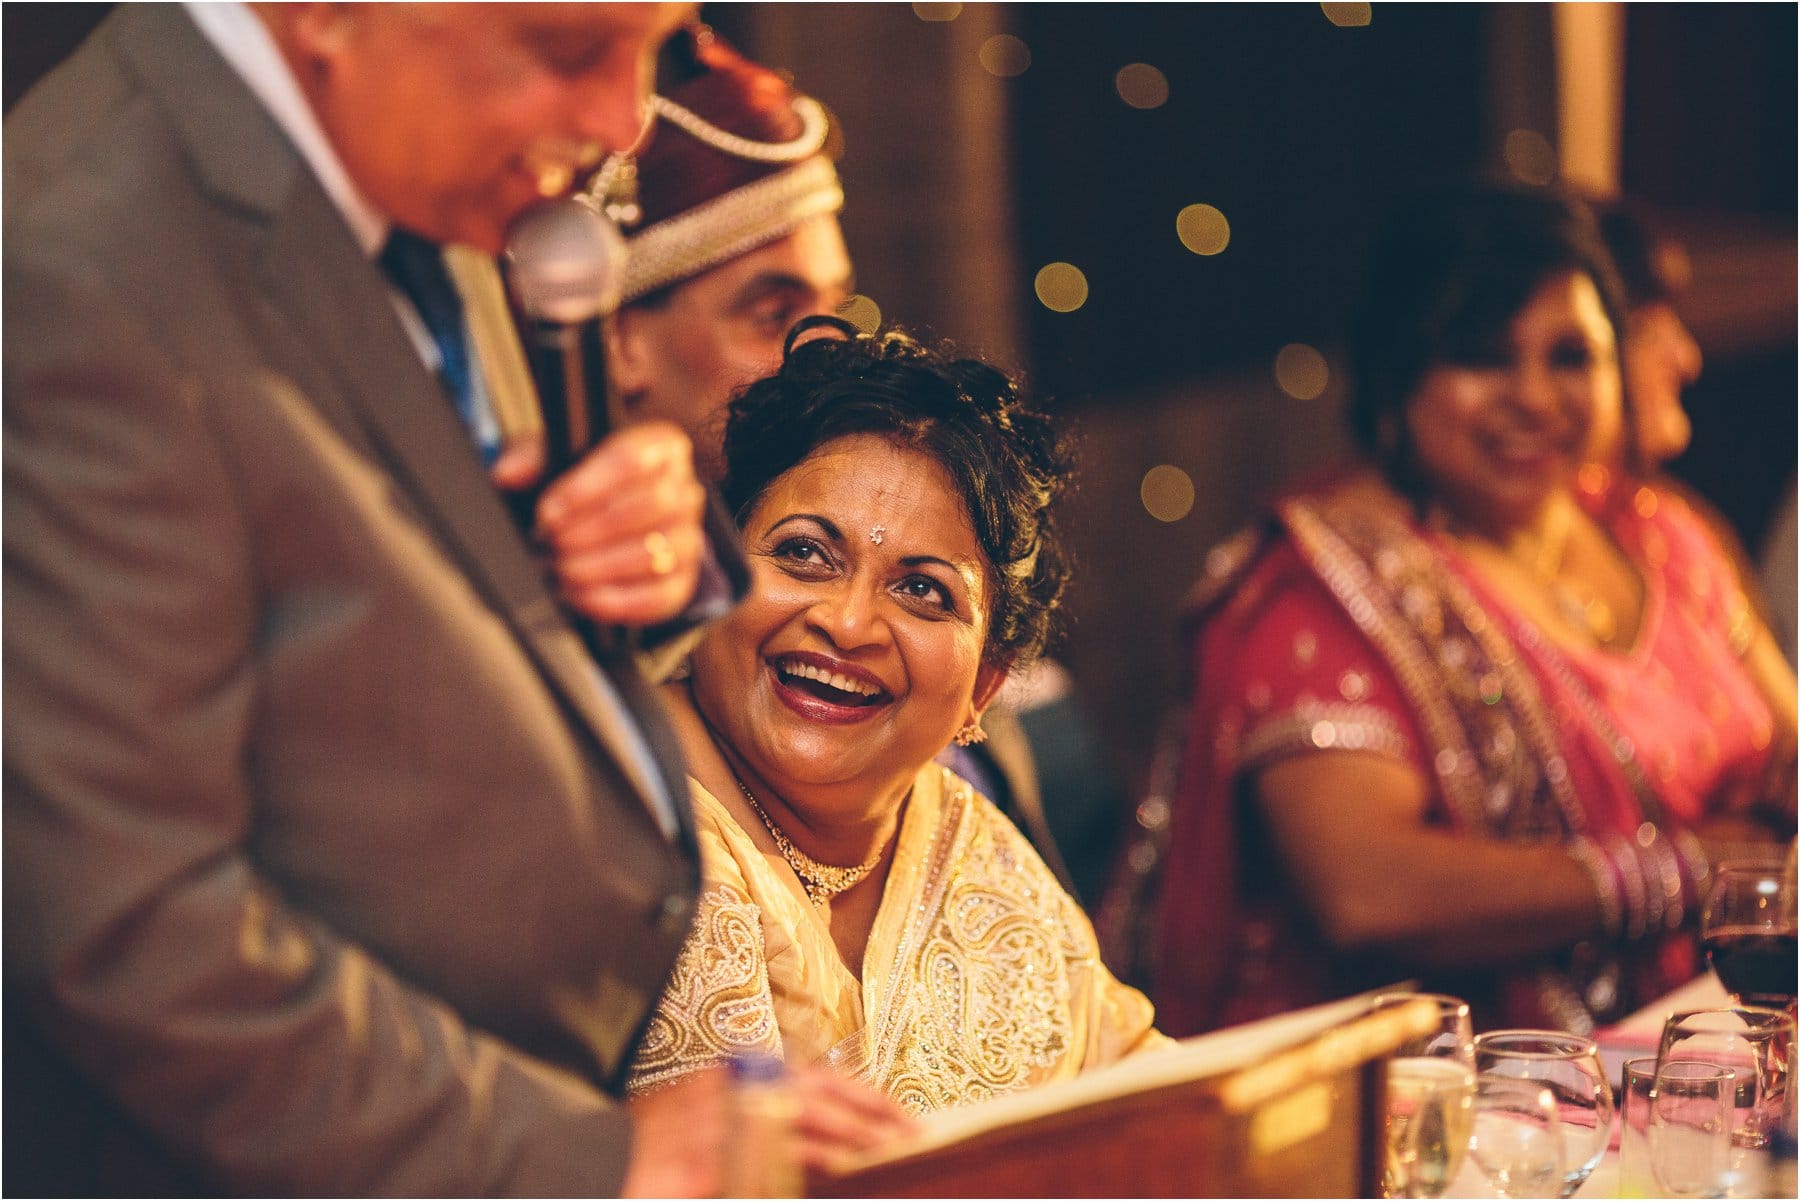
[{"x": 1603, "y": 1183}]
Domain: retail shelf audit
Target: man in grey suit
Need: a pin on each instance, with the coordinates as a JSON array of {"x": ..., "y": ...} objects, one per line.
[{"x": 333, "y": 864}]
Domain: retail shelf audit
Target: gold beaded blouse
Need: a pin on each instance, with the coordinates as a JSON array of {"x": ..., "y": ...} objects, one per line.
[{"x": 981, "y": 977}]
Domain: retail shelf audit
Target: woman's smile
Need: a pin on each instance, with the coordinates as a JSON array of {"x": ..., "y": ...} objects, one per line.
[{"x": 822, "y": 689}]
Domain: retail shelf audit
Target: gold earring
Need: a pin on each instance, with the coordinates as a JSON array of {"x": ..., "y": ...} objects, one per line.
[{"x": 970, "y": 734}]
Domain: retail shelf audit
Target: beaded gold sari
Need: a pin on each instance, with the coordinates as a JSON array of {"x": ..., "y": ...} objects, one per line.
[{"x": 981, "y": 976}]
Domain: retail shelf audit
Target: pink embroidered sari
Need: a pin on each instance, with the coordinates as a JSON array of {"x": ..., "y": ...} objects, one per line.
[{"x": 1338, "y": 625}]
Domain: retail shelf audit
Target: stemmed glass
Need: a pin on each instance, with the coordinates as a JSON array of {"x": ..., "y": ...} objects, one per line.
[
  {"x": 1517, "y": 1142},
  {"x": 1755, "y": 1044},
  {"x": 1747, "y": 926},
  {"x": 1430, "y": 1100},
  {"x": 1569, "y": 1066}
]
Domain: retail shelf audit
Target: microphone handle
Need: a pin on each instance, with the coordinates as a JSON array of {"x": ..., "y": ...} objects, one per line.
[{"x": 568, "y": 368}]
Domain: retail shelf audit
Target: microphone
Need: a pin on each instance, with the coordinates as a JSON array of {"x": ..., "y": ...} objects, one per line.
[{"x": 565, "y": 264}]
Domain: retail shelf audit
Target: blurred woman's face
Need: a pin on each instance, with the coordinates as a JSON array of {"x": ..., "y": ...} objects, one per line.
[
  {"x": 1496, "y": 437},
  {"x": 1661, "y": 358},
  {"x": 858, "y": 653}
]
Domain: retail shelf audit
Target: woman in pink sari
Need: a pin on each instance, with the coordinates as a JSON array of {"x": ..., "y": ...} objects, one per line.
[{"x": 1457, "y": 717}]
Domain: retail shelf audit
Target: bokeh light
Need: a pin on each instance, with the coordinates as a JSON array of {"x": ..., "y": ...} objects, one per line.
[
  {"x": 1346, "y": 16},
  {"x": 1061, "y": 287},
  {"x": 1005, "y": 55},
  {"x": 1142, "y": 86},
  {"x": 862, "y": 312},
  {"x": 1203, "y": 229},
  {"x": 1167, "y": 493},
  {"x": 937, "y": 12},
  {"x": 1301, "y": 371},
  {"x": 1530, "y": 157}
]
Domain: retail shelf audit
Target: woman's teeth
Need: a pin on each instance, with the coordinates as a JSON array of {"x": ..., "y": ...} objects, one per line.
[{"x": 830, "y": 679}]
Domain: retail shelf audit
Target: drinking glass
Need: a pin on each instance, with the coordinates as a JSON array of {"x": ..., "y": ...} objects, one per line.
[
  {"x": 1636, "y": 1179},
  {"x": 1755, "y": 1045},
  {"x": 1690, "y": 1129},
  {"x": 1454, "y": 1037},
  {"x": 1430, "y": 1100},
  {"x": 1747, "y": 926},
  {"x": 1569, "y": 1066},
  {"x": 1516, "y": 1143},
  {"x": 849, "y": 1056}
]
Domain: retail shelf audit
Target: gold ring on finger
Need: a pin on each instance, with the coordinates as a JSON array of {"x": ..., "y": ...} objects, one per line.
[{"x": 661, "y": 552}]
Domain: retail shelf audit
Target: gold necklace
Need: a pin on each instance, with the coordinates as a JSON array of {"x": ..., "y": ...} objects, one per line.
[
  {"x": 822, "y": 881},
  {"x": 1581, "y": 606}
]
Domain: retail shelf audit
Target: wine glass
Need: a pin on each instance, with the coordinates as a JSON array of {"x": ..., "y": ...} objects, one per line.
[
  {"x": 1689, "y": 1132},
  {"x": 1753, "y": 1043},
  {"x": 1430, "y": 1099},
  {"x": 1747, "y": 926},
  {"x": 1516, "y": 1141},
  {"x": 1569, "y": 1066}
]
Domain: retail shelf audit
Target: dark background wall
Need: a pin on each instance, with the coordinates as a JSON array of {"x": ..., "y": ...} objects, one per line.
[{"x": 963, "y": 182}]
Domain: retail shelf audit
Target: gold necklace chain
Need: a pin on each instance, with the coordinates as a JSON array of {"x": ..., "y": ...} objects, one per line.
[
  {"x": 1580, "y": 605},
  {"x": 822, "y": 881}
]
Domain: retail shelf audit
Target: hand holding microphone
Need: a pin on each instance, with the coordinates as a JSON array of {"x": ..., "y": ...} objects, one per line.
[{"x": 622, "y": 511}]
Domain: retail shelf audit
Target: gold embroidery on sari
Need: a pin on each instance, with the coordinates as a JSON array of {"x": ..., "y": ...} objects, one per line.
[
  {"x": 1498, "y": 745},
  {"x": 717, "y": 1002},
  {"x": 1474, "y": 701},
  {"x": 989, "y": 1006},
  {"x": 1321, "y": 726}
]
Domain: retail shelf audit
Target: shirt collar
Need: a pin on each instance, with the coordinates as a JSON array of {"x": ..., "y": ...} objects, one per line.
[{"x": 246, "y": 45}]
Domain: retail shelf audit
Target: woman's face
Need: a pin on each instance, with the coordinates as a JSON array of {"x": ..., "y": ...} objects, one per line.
[
  {"x": 1496, "y": 437},
  {"x": 858, "y": 653},
  {"x": 1661, "y": 358}
]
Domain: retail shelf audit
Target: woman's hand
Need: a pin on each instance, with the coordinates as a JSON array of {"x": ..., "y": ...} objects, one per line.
[
  {"x": 679, "y": 1132},
  {"x": 623, "y": 527},
  {"x": 840, "y": 1119}
]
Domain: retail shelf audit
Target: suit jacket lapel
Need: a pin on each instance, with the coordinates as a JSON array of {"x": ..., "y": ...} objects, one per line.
[{"x": 315, "y": 272}]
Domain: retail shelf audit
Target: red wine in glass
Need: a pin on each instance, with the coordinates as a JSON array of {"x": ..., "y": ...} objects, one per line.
[{"x": 1756, "y": 964}]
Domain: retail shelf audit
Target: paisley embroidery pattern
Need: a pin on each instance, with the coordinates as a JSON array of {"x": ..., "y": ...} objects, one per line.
[
  {"x": 993, "y": 983},
  {"x": 717, "y": 1002},
  {"x": 989, "y": 1008}
]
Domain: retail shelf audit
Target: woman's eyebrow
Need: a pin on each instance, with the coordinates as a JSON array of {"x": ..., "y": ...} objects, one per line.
[{"x": 824, "y": 523}]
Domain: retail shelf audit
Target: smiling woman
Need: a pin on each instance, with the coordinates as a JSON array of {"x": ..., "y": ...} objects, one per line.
[
  {"x": 1456, "y": 714},
  {"x": 861, "y": 906}
]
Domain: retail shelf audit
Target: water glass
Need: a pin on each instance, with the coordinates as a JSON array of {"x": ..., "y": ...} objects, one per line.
[
  {"x": 1430, "y": 1100},
  {"x": 1454, "y": 1037},
  {"x": 1569, "y": 1067},
  {"x": 1636, "y": 1178},
  {"x": 1756, "y": 1043},
  {"x": 1430, "y": 1107},
  {"x": 849, "y": 1057},
  {"x": 1690, "y": 1129},
  {"x": 1517, "y": 1143}
]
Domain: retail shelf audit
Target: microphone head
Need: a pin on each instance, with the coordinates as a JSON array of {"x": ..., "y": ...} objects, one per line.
[{"x": 565, "y": 263}]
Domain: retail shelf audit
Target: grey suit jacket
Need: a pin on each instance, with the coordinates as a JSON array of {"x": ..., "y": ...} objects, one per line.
[{"x": 321, "y": 872}]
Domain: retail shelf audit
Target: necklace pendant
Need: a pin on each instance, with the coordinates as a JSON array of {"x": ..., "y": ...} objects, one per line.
[{"x": 820, "y": 881}]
